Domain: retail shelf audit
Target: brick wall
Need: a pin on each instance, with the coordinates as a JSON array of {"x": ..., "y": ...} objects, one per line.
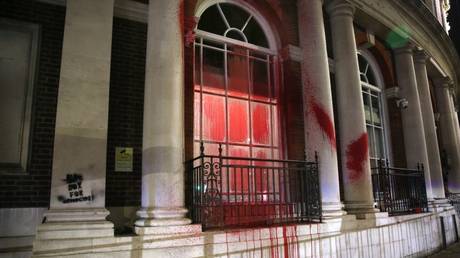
[
  {"x": 126, "y": 106},
  {"x": 33, "y": 188},
  {"x": 292, "y": 108}
]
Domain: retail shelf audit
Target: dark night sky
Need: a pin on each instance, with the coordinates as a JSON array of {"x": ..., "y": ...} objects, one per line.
[{"x": 454, "y": 21}]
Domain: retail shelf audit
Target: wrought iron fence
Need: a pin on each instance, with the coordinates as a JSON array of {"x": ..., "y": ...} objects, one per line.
[
  {"x": 224, "y": 192},
  {"x": 454, "y": 199},
  {"x": 399, "y": 190}
]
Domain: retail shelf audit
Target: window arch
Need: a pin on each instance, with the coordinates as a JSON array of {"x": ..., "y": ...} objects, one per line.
[
  {"x": 374, "y": 107},
  {"x": 236, "y": 83}
]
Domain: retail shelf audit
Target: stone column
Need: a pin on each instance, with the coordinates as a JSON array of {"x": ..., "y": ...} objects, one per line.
[
  {"x": 163, "y": 201},
  {"x": 354, "y": 149},
  {"x": 414, "y": 134},
  {"x": 429, "y": 126},
  {"x": 317, "y": 99},
  {"x": 80, "y": 145},
  {"x": 449, "y": 129}
]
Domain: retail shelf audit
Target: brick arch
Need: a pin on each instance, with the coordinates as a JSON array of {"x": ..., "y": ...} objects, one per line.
[{"x": 383, "y": 57}]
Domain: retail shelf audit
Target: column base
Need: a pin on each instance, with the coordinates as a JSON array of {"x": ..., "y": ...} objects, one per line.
[
  {"x": 438, "y": 205},
  {"x": 362, "y": 210},
  {"x": 75, "y": 223},
  {"x": 164, "y": 221},
  {"x": 332, "y": 210}
]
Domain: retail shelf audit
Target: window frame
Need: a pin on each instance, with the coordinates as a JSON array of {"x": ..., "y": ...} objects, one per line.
[
  {"x": 380, "y": 87},
  {"x": 272, "y": 61},
  {"x": 27, "y": 119}
]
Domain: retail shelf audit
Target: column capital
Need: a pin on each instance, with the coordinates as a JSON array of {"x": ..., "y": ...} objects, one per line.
[
  {"x": 421, "y": 56},
  {"x": 339, "y": 8},
  {"x": 407, "y": 49},
  {"x": 305, "y": 2}
]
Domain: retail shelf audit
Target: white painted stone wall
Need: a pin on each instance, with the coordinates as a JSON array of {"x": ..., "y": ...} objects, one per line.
[
  {"x": 404, "y": 236},
  {"x": 17, "y": 237}
]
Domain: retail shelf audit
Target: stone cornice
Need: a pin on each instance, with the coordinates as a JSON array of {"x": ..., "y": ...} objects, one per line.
[
  {"x": 339, "y": 8},
  {"x": 425, "y": 30}
]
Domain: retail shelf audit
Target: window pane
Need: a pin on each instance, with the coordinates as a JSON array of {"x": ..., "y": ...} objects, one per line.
[
  {"x": 236, "y": 16},
  {"x": 362, "y": 64},
  {"x": 238, "y": 121},
  {"x": 259, "y": 77},
  {"x": 376, "y": 119},
  {"x": 211, "y": 21},
  {"x": 255, "y": 34},
  {"x": 238, "y": 73},
  {"x": 197, "y": 116},
  {"x": 370, "y": 135},
  {"x": 371, "y": 77},
  {"x": 261, "y": 123},
  {"x": 379, "y": 143},
  {"x": 367, "y": 107},
  {"x": 276, "y": 133},
  {"x": 213, "y": 71},
  {"x": 213, "y": 118}
]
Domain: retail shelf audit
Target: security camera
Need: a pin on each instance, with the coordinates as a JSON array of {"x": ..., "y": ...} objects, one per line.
[{"x": 402, "y": 103}]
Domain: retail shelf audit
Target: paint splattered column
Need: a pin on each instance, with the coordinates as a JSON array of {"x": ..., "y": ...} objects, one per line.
[
  {"x": 414, "y": 133},
  {"x": 80, "y": 145},
  {"x": 449, "y": 130},
  {"x": 163, "y": 137},
  {"x": 352, "y": 129},
  {"x": 429, "y": 126},
  {"x": 319, "y": 117}
]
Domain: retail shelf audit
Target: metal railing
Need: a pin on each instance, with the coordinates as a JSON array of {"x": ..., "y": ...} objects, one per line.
[
  {"x": 454, "y": 200},
  {"x": 225, "y": 192},
  {"x": 399, "y": 190}
]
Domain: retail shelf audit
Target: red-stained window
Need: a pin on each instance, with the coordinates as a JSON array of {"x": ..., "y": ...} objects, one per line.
[{"x": 236, "y": 86}]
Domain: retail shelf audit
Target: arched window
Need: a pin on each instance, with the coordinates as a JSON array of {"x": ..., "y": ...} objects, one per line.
[
  {"x": 236, "y": 85},
  {"x": 373, "y": 108}
]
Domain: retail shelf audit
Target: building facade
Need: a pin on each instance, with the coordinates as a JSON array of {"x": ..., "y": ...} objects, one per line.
[{"x": 200, "y": 128}]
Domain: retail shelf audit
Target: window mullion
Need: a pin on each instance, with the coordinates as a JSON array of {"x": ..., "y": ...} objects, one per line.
[
  {"x": 223, "y": 16},
  {"x": 246, "y": 23}
]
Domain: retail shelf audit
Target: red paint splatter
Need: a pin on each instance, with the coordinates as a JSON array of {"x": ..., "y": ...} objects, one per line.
[
  {"x": 324, "y": 122},
  {"x": 261, "y": 123},
  {"x": 274, "y": 253},
  {"x": 357, "y": 155},
  {"x": 290, "y": 242}
]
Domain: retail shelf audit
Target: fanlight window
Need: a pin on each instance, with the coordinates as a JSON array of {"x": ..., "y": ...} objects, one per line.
[
  {"x": 232, "y": 22},
  {"x": 373, "y": 109}
]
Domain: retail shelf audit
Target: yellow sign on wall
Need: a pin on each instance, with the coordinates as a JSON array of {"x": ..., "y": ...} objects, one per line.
[{"x": 124, "y": 159}]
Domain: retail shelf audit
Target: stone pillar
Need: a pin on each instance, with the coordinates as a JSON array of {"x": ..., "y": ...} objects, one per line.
[
  {"x": 317, "y": 99},
  {"x": 354, "y": 149},
  {"x": 429, "y": 126},
  {"x": 449, "y": 130},
  {"x": 80, "y": 144},
  {"x": 414, "y": 134},
  {"x": 163, "y": 201}
]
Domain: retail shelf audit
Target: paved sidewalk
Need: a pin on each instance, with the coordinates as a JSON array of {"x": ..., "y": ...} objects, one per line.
[{"x": 452, "y": 251}]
